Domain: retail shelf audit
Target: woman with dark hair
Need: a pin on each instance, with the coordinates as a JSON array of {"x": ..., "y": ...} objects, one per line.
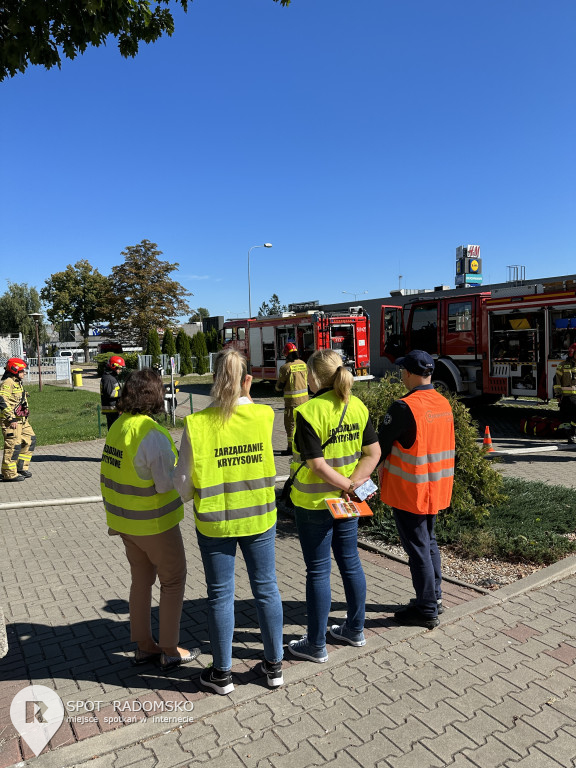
[
  {"x": 329, "y": 468},
  {"x": 226, "y": 465},
  {"x": 143, "y": 507}
]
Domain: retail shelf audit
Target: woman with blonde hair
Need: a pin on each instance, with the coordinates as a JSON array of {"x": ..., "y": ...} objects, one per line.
[
  {"x": 330, "y": 467},
  {"x": 226, "y": 465}
]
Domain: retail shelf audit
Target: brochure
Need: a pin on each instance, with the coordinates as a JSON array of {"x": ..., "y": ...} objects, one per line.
[{"x": 340, "y": 509}]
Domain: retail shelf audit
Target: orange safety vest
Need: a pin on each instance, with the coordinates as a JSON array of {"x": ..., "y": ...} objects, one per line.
[{"x": 420, "y": 479}]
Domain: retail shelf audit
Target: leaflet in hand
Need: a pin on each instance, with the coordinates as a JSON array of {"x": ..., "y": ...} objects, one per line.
[{"x": 340, "y": 509}]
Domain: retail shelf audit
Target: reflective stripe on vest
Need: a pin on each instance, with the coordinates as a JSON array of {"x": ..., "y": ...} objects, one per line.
[
  {"x": 323, "y": 414},
  {"x": 133, "y": 505},
  {"x": 419, "y": 479},
  {"x": 233, "y": 470}
]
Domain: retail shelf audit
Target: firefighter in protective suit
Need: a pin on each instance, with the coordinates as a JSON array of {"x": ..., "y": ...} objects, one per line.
[
  {"x": 110, "y": 388},
  {"x": 19, "y": 437},
  {"x": 565, "y": 391},
  {"x": 293, "y": 382}
]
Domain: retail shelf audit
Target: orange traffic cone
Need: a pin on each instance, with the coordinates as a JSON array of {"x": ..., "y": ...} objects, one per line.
[{"x": 488, "y": 440}]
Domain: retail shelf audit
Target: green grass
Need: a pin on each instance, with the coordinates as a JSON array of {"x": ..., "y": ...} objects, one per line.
[
  {"x": 61, "y": 415},
  {"x": 527, "y": 527}
]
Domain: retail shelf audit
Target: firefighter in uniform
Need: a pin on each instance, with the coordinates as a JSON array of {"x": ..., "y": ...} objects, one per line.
[
  {"x": 110, "y": 388},
  {"x": 19, "y": 437},
  {"x": 565, "y": 391},
  {"x": 293, "y": 382},
  {"x": 417, "y": 441}
]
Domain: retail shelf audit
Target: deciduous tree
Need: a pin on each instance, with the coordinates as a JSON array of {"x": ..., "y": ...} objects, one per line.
[
  {"x": 199, "y": 314},
  {"x": 76, "y": 294},
  {"x": 15, "y": 306},
  {"x": 142, "y": 294},
  {"x": 272, "y": 307},
  {"x": 41, "y": 32}
]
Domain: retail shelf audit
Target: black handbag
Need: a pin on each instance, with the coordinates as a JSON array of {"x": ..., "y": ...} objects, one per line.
[{"x": 284, "y": 497}]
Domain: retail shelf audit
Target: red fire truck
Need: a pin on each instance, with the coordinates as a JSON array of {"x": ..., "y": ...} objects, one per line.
[
  {"x": 488, "y": 344},
  {"x": 262, "y": 339}
]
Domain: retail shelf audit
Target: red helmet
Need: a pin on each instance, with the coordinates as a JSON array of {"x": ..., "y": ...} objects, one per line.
[
  {"x": 16, "y": 364},
  {"x": 116, "y": 362},
  {"x": 290, "y": 347},
  {"x": 571, "y": 350}
]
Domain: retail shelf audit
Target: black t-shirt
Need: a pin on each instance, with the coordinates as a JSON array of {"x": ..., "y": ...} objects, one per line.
[{"x": 309, "y": 445}]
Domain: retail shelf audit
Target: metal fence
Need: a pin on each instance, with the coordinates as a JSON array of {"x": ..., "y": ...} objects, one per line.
[{"x": 52, "y": 368}]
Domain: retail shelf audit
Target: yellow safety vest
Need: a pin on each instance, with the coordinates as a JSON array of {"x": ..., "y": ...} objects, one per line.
[
  {"x": 233, "y": 471},
  {"x": 342, "y": 454},
  {"x": 296, "y": 389},
  {"x": 134, "y": 505}
]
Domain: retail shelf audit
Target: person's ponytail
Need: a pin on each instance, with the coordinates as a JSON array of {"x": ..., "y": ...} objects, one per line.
[
  {"x": 229, "y": 372},
  {"x": 327, "y": 370}
]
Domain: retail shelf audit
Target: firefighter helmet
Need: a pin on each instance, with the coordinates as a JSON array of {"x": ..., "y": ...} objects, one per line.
[
  {"x": 290, "y": 347},
  {"x": 16, "y": 364},
  {"x": 116, "y": 362},
  {"x": 571, "y": 350}
]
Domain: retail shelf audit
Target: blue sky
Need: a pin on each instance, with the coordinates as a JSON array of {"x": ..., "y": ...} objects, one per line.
[{"x": 365, "y": 140}]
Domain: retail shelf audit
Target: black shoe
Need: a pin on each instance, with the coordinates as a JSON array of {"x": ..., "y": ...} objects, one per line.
[
  {"x": 438, "y": 602},
  {"x": 171, "y": 662},
  {"x": 219, "y": 681},
  {"x": 572, "y": 440},
  {"x": 16, "y": 479},
  {"x": 273, "y": 672},
  {"x": 413, "y": 617},
  {"x": 142, "y": 657},
  {"x": 24, "y": 473}
]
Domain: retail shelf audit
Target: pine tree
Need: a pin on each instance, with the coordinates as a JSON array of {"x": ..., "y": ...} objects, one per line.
[
  {"x": 183, "y": 349},
  {"x": 200, "y": 352},
  {"x": 168, "y": 345},
  {"x": 153, "y": 346}
]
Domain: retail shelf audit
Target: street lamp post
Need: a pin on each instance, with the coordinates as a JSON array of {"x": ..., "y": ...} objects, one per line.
[
  {"x": 266, "y": 245},
  {"x": 360, "y": 293},
  {"x": 36, "y": 317}
]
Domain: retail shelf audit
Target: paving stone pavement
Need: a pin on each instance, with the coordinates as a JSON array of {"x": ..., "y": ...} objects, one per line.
[{"x": 492, "y": 686}]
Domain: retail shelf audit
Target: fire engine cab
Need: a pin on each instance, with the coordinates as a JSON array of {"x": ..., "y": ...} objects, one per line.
[
  {"x": 262, "y": 339},
  {"x": 507, "y": 342}
]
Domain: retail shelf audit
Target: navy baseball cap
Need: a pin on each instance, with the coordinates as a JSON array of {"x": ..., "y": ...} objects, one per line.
[{"x": 418, "y": 362}]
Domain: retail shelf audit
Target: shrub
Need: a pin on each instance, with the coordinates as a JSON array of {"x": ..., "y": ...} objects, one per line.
[
  {"x": 130, "y": 358},
  {"x": 477, "y": 485}
]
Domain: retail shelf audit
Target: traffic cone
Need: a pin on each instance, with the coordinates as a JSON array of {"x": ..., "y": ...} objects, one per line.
[{"x": 488, "y": 440}]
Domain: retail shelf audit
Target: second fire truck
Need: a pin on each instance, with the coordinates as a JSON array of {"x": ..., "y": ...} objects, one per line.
[
  {"x": 507, "y": 342},
  {"x": 262, "y": 339}
]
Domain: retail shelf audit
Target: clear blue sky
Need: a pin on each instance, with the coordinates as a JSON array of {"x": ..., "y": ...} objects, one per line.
[{"x": 363, "y": 139}]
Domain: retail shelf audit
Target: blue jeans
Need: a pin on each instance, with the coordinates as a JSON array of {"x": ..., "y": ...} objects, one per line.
[
  {"x": 419, "y": 541},
  {"x": 218, "y": 558},
  {"x": 319, "y": 533}
]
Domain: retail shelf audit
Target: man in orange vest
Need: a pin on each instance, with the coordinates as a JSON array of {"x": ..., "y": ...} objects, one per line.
[{"x": 417, "y": 441}]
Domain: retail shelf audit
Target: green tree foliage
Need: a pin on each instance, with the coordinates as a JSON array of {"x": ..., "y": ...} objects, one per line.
[
  {"x": 200, "y": 352},
  {"x": 40, "y": 32},
  {"x": 213, "y": 340},
  {"x": 76, "y": 294},
  {"x": 168, "y": 343},
  {"x": 183, "y": 349},
  {"x": 199, "y": 314},
  {"x": 15, "y": 306},
  {"x": 153, "y": 346},
  {"x": 272, "y": 307},
  {"x": 141, "y": 294},
  {"x": 477, "y": 485}
]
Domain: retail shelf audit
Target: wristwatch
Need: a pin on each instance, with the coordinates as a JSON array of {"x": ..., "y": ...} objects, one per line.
[{"x": 352, "y": 486}]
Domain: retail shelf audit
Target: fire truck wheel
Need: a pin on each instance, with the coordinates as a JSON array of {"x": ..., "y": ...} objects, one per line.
[{"x": 442, "y": 386}]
